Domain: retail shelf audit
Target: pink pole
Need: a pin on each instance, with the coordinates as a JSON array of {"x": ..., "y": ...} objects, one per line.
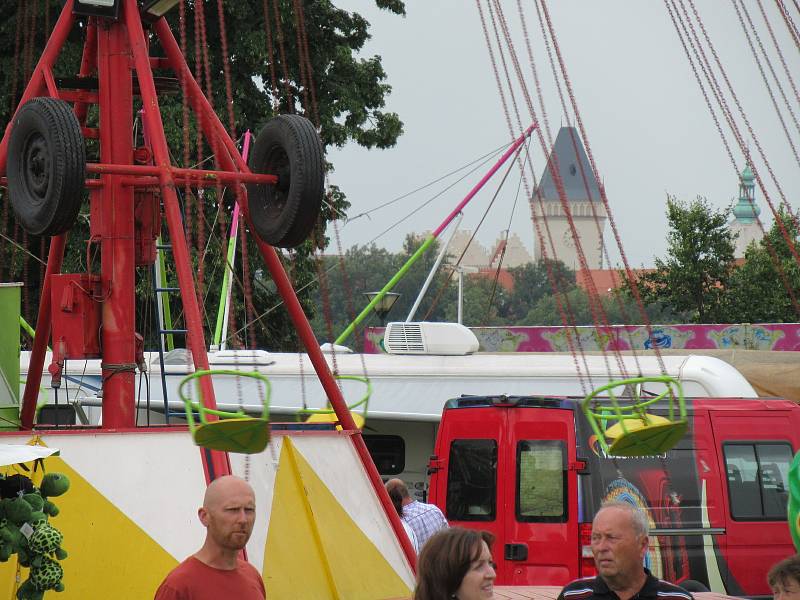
[{"x": 513, "y": 148}]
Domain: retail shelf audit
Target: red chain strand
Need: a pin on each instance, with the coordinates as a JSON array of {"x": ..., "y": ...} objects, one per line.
[
  {"x": 595, "y": 301},
  {"x": 30, "y": 42},
  {"x": 287, "y": 82},
  {"x": 779, "y": 51},
  {"x": 595, "y": 217},
  {"x": 561, "y": 298},
  {"x": 305, "y": 57},
  {"x": 187, "y": 192},
  {"x": 789, "y": 23},
  {"x": 250, "y": 312},
  {"x": 767, "y": 85},
  {"x": 300, "y": 58},
  {"x": 270, "y": 52},
  {"x": 535, "y": 72},
  {"x": 21, "y": 16},
  {"x": 628, "y": 271},
  {"x": 596, "y": 307},
  {"x": 744, "y": 148},
  {"x": 676, "y": 19}
]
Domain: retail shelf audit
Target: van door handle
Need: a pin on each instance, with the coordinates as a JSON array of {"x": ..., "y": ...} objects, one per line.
[{"x": 516, "y": 551}]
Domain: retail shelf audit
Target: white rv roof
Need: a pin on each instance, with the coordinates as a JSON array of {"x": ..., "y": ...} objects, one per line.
[{"x": 412, "y": 387}]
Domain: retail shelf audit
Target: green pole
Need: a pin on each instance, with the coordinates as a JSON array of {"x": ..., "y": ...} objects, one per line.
[
  {"x": 26, "y": 326},
  {"x": 388, "y": 287},
  {"x": 224, "y": 296},
  {"x": 167, "y": 313}
]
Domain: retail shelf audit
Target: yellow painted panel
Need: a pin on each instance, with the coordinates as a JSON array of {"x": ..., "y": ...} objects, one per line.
[
  {"x": 109, "y": 555},
  {"x": 314, "y": 548},
  {"x": 8, "y": 578}
]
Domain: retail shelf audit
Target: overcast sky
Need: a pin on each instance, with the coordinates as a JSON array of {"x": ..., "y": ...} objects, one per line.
[{"x": 646, "y": 120}]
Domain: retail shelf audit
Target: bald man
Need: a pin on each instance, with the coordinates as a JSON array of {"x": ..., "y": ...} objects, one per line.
[{"x": 217, "y": 570}]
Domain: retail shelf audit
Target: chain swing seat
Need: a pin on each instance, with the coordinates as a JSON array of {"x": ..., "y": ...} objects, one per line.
[
  {"x": 328, "y": 415},
  {"x": 232, "y": 431},
  {"x": 632, "y": 430}
]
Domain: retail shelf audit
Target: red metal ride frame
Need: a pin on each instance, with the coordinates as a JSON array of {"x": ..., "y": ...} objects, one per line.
[{"x": 114, "y": 50}]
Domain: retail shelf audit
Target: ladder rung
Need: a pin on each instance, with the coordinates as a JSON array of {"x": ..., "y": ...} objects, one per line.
[
  {"x": 168, "y": 289},
  {"x": 164, "y": 246},
  {"x": 171, "y": 331}
]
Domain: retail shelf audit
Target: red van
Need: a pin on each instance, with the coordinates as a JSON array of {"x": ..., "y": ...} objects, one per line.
[{"x": 529, "y": 470}]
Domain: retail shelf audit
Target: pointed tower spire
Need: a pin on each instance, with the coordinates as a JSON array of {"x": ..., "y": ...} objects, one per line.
[
  {"x": 582, "y": 191},
  {"x": 745, "y": 213}
]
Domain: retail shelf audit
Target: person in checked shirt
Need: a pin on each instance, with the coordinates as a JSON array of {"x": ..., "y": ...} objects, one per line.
[{"x": 424, "y": 519}]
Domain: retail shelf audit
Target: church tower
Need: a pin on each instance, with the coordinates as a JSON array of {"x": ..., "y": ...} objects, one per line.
[
  {"x": 582, "y": 191},
  {"x": 745, "y": 213}
]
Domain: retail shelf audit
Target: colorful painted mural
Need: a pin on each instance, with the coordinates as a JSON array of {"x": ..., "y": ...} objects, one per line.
[{"x": 745, "y": 336}]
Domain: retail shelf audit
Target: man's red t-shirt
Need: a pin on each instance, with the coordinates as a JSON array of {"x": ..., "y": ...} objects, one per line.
[{"x": 195, "y": 580}]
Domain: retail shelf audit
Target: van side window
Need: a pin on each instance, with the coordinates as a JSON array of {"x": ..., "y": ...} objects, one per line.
[
  {"x": 757, "y": 479},
  {"x": 541, "y": 481},
  {"x": 472, "y": 480}
]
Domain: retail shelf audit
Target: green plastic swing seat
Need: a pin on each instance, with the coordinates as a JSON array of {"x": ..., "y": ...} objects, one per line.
[
  {"x": 231, "y": 432},
  {"x": 246, "y": 435},
  {"x": 635, "y": 432}
]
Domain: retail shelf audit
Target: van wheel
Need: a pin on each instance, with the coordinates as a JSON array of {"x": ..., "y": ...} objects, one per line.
[
  {"x": 46, "y": 166},
  {"x": 285, "y": 214},
  {"x": 692, "y": 585}
]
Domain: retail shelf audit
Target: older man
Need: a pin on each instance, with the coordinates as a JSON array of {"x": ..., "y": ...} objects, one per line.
[
  {"x": 424, "y": 519},
  {"x": 217, "y": 569},
  {"x": 619, "y": 544}
]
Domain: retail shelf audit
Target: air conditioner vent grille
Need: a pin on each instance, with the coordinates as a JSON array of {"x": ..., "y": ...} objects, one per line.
[{"x": 404, "y": 337}]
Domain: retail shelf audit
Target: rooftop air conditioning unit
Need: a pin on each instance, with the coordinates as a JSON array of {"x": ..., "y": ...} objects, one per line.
[{"x": 429, "y": 338}]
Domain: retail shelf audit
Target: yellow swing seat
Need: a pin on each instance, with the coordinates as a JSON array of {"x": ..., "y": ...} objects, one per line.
[
  {"x": 231, "y": 432},
  {"x": 646, "y": 439},
  {"x": 328, "y": 415}
]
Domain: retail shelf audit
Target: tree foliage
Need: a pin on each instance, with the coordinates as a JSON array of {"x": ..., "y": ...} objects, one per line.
[
  {"x": 694, "y": 275},
  {"x": 761, "y": 290}
]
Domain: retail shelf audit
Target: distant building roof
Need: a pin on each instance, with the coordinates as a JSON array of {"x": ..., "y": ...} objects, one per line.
[
  {"x": 605, "y": 280},
  {"x": 569, "y": 167}
]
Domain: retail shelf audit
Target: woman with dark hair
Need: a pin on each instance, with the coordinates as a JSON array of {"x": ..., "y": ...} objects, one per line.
[
  {"x": 456, "y": 563},
  {"x": 784, "y": 579}
]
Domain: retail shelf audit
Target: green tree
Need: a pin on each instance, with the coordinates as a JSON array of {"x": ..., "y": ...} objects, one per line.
[
  {"x": 757, "y": 291},
  {"x": 531, "y": 283},
  {"x": 693, "y": 277},
  {"x": 482, "y": 302},
  {"x": 345, "y": 96}
]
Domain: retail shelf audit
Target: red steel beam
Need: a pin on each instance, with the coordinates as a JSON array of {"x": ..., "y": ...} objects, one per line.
[
  {"x": 44, "y": 320},
  {"x": 194, "y": 176},
  {"x": 215, "y": 463},
  {"x": 117, "y": 270}
]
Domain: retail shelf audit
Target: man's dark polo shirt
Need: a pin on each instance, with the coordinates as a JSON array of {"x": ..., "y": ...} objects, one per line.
[{"x": 594, "y": 588}]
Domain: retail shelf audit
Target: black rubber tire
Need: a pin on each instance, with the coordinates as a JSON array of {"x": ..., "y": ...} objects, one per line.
[
  {"x": 285, "y": 214},
  {"x": 46, "y": 166}
]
